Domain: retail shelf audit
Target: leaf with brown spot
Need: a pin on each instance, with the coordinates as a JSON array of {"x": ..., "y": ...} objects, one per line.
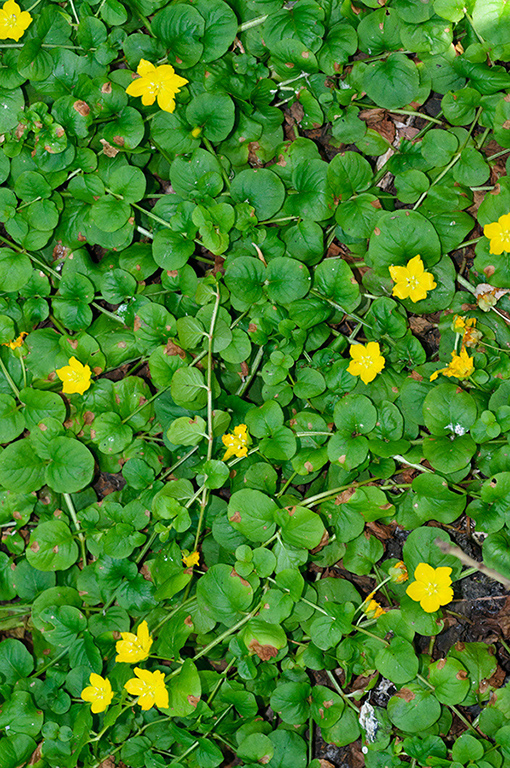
[{"x": 264, "y": 652}]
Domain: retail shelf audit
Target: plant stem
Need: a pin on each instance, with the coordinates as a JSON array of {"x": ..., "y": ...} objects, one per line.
[
  {"x": 205, "y": 494},
  {"x": 339, "y": 690},
  {"x": 76, "y": 523},
  {"x": 227, "y": 633},
  {"x": 253, "y": 370},
  {"x": 450, "y": 549},
  {"x": 9, "y": 378}
]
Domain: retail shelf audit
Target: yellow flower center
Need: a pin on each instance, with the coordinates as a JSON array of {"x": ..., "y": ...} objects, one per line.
[
  {"x": 505, "y": 235},
  {"x": 413, "y": 282},
  {"x": 153, "y": 87},
  {"x": 366, "y": 361},
  {"x": 432, "y": 588}
]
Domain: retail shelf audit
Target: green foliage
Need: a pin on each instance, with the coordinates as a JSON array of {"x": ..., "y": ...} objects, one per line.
[{"x": 188, "y": 436}]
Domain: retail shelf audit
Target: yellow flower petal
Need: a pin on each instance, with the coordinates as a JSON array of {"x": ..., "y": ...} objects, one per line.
[{"x": 145, "y": 68}]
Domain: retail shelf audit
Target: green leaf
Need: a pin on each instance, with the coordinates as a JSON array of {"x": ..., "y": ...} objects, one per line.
[
  {"x": 261, "y": 188},
  {"x": 18, "y": 715},
  {"x": 450, "y": 680},
  {"x": 187, "y": 431},
  {"x": 220, "y": 28},
  {"x": 339, "y": 43},
  {"x": 222, "y": 594},
  {"x": 12, "y": 422},
  {"x": 180, "y": 27},
  {"x": 15, "y": 270},
  {"x": 398, "y": 661},
  {"x": 286, "y": 280},
  {"x": 447, "y": 409},
  {"x": 52, "y": 547},
  {"x": 413, "y": 709},
  {"x": 313, "y": 198},
  {"x": 16, "y": 662},
  {"x": 334, "y": 280},
  {"x": 252, "y": 513},
  {"x": 290, "y": 701},
  {"x": 257, "y": 747},
  {"x": 392, "y": 83},
  {"x": 214, "y": 114},
  {"x": 110, "y": 434},
  {"x": 71, "y": 465},
  {"x": 13, "y": 102},
  {"x": 362, "y": 553},
  {"x": 184, "y": 691},
  {"x": 21, "y": 469}
]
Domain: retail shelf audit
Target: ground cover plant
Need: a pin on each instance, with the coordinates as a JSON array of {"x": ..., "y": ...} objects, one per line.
[{"x": 254, "y": 383}]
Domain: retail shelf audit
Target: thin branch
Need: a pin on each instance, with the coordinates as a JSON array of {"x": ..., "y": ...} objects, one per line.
[{"x": 450, "y": 549}]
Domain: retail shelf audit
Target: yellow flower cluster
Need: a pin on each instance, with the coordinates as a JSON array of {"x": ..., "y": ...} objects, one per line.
[
  {"x": 190, "y": 559},
  {"x": 148, "y": 686},
  {"x": 398, "y": 572},
  {"x": 371, "y": 608},
  {"x": 237, "y": 443},
  {"x": 431, "y": 588},
  {"x": 411, "y": 281},
  {"x": 462, "y": 365},
  {"x": 15, "y": 343}
]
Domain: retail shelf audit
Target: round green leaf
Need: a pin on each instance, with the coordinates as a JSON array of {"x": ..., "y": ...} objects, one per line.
[
  {"x": 286, "y": 280},
  {"x": 398, "y": 661},
  {"x": 21, "y": 469},
  {"x": 71, "y": 465},
  {"x": 392, "y": 83},
  {"x": 261, "y": 188},
  {"x": 413, "y": 709},
  {"x": 52, "y": 547}
]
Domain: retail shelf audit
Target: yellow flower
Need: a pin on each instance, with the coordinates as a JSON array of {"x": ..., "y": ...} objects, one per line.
[
  {"x": 133, "y": 648},
  {"x": 99, "y": 693},
  {"x": 412, "y": 282},
  {"x": 17, "y": 342},
  {"x": 76, "y": 377},
  {"x": 149, "y": 687},
  {"x": 190, "y": 560},
  {"x": 161, "y": 82},
  {"x": 461, "y": 366},
  {"x": 13, "y": 21},
  {"x": 366, "y": 362},
  {"x": 398, "y": 572},
  {"x": 499, "y": 234},
  {"x": 371, "y": 608},
  {"x": 236, "y": 444},
  {"x": 196, "y": 132},
  {"x": 431, "y": 588}
]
